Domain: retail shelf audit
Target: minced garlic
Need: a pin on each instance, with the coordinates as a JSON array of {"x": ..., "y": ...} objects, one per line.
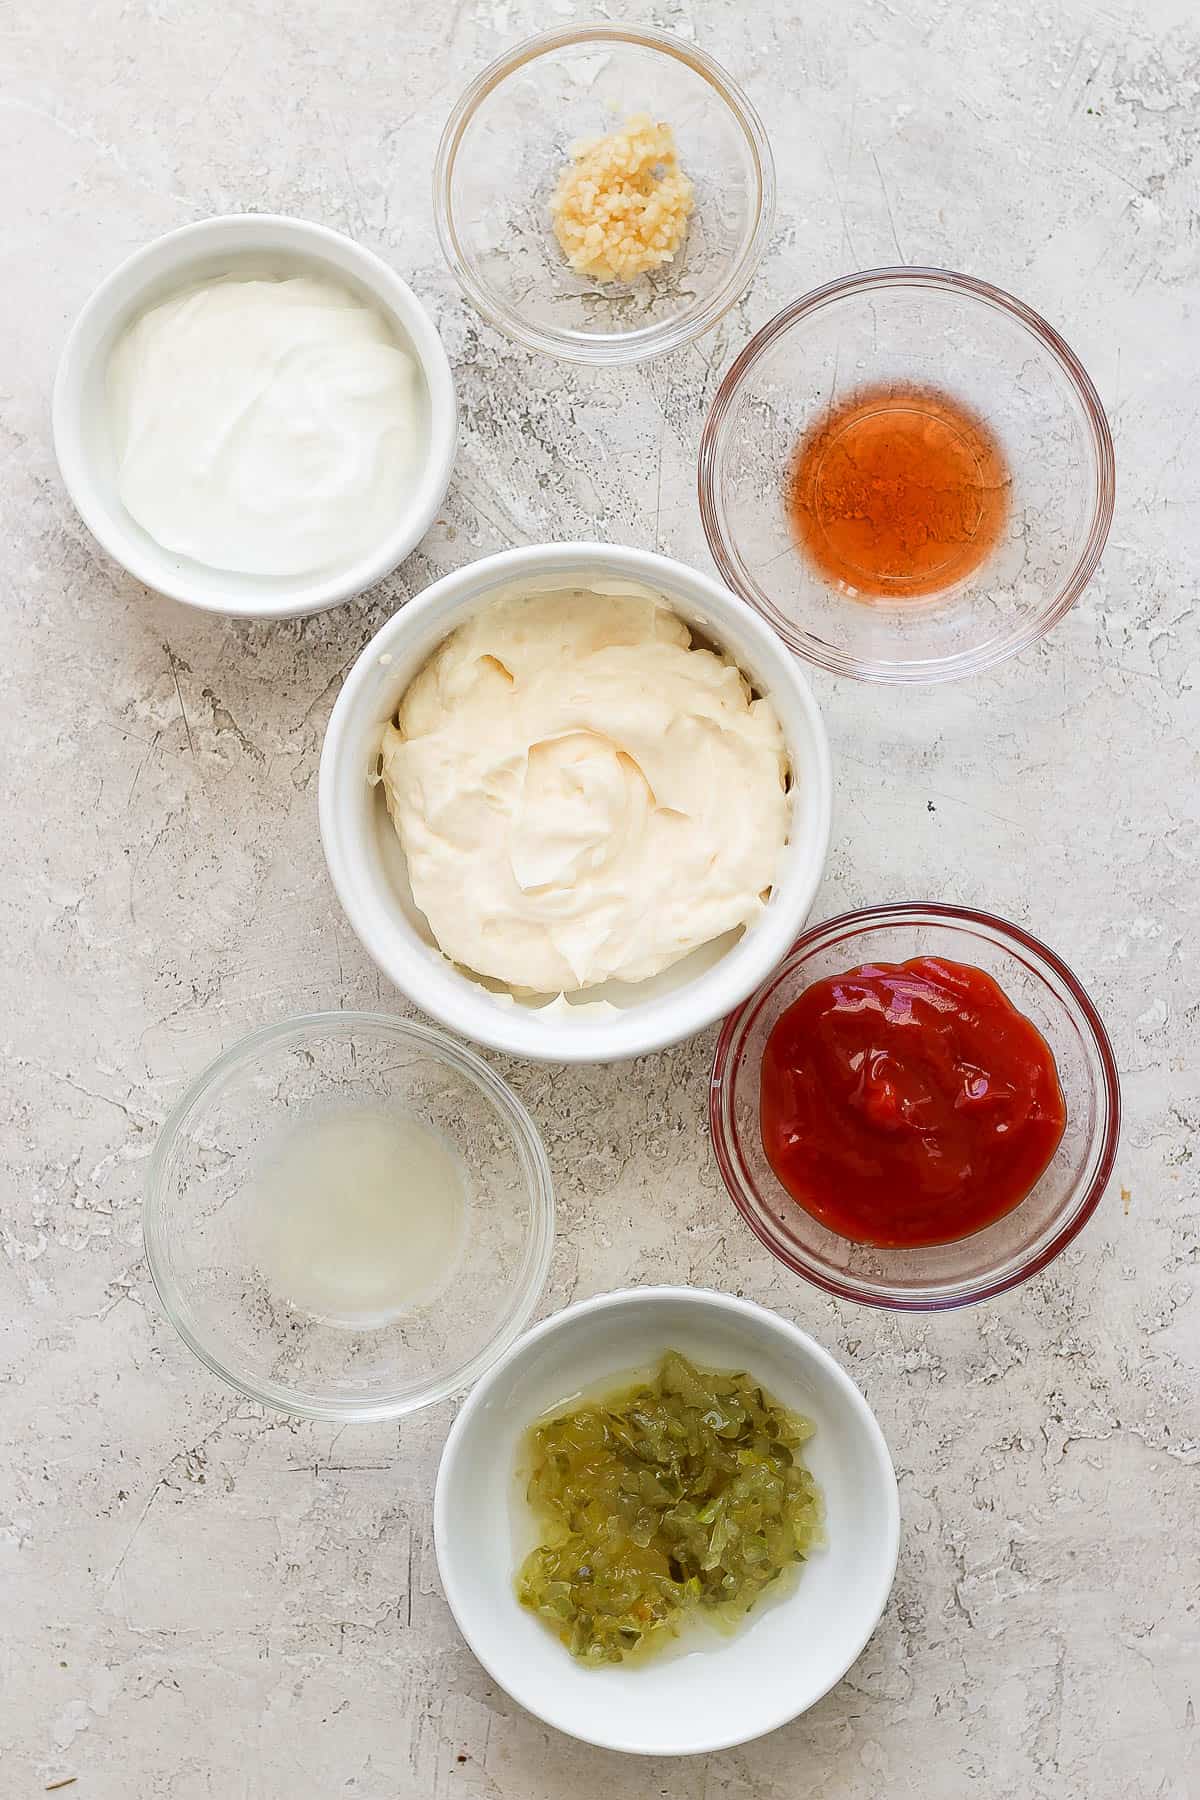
[{"x": 622, "y": 203}]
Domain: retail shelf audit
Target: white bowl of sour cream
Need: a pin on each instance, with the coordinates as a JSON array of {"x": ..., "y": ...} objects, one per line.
[
  {"x": 601, "y": 1020},
  {"x": 255, "y": 416}
]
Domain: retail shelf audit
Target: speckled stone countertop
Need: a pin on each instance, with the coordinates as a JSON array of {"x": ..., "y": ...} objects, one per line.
[{"x": 198, "y": 1599}]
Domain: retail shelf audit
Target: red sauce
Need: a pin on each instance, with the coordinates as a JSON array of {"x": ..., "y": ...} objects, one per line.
[{"x": 908, "y": 1103}]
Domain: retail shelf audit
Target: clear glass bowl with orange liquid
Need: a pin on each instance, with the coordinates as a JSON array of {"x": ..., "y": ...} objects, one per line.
[{"x": 909, "y": 474}]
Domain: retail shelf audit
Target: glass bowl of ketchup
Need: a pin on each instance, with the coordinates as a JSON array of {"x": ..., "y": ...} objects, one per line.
[
  {"x": 909, "y": 474},
  {"x": 919, "y": 1109}
]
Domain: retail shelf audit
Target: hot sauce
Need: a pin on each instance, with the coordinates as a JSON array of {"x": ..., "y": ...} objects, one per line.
[
  {"x": 898, "y": 492},
  {"x": 908, "y": 1103}
]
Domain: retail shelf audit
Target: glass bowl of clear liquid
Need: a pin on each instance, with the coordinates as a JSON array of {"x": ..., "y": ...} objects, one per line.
[{"x": 349, "y": 1216}]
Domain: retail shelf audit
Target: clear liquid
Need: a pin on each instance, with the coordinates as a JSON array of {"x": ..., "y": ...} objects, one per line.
[{"x": 361, "y": 1216}]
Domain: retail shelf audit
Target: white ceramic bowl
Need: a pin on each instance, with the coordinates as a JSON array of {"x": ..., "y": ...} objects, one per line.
[
  {"x": 259, "y": 243},
  {"x": 368, "y": 867},
  {"x": 790, "y": 1651}
]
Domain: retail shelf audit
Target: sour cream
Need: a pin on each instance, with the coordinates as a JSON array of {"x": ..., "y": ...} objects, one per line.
[
  {"x": 268, "y": 427},
  {"x": 583, "y": 794}
]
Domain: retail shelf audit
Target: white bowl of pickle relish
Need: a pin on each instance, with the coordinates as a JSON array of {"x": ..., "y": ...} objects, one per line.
[{"x": 707, "y": 1689}]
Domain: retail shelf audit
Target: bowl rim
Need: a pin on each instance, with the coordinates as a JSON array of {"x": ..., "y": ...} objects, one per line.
[
  {"x": 280, "y": 233},
  {"x": 622, "y": 348},
  {"x": 530, "y": 1278},
  {"x": 703, "y": 1299},
  {"x": 422, "y": 978},
  {"x": 905, "y": 912},
  {"x": 928, "y": 669}
]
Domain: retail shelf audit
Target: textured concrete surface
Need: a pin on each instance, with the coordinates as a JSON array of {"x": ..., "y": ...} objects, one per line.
[{"x": 201, "y": 1600}]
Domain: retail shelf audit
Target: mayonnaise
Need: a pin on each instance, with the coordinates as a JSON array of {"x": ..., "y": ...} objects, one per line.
[
  {"x": 581, "y": 794},
  {"x": 270, "y": 427}
]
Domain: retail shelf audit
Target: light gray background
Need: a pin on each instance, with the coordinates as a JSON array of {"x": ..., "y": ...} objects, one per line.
[{"x": 197, "y": 1599}]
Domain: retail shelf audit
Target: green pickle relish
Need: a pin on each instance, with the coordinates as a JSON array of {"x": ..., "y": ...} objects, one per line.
[{"x": 683, "y": 1495}]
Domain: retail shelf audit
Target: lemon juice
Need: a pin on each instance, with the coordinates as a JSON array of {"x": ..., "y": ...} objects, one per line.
[{"x": 361, "y": 1216}]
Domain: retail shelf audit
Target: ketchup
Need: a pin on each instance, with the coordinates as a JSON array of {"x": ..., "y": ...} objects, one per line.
[{"x": 908, "y": 1103}]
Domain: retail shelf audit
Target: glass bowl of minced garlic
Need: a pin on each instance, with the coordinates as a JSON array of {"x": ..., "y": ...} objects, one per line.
[{"x": 604, "y": 193}]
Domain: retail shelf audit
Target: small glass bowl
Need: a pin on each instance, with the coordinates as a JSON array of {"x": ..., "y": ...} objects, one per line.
[
  {"x": 499, "y": 159},
  {"x": 203, "y": 1221},
  {"x": 911, "y": 327},
  {"x": 935, "y": 1277}
]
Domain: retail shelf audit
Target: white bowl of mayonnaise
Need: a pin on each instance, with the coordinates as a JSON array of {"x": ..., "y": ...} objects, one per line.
[
  {"x": 255, "y": 416},
  {"x": 575, "y": 801}
]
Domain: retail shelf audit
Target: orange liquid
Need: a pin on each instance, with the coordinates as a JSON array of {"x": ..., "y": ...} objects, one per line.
[{"x": 898, "y": 492}]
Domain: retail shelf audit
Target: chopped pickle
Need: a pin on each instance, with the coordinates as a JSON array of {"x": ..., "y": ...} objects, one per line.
[{"x": 684, "y": 1494}]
